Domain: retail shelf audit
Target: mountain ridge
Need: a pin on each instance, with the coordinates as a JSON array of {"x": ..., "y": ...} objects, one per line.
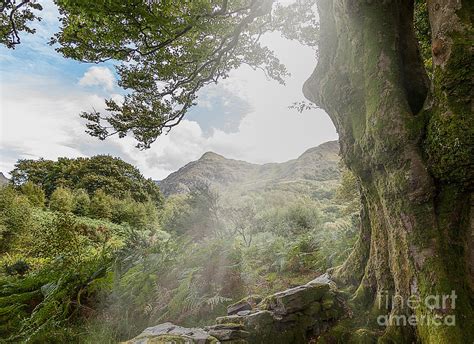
[{"x": 316, "y": 164}]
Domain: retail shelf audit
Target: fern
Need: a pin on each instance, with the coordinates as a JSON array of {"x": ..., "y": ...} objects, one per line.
[{"x": 216, "y": 300}]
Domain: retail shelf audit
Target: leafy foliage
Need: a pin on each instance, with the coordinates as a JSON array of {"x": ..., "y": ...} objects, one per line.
[
  {"x": 166, "y": 50},
  {"x": 15, "y": 216},
  {"x": 61, "y": 200},
  {"x": 74, "y": 275},
  {"x": 82, "y": 202},
  {"x": 101, "y": 205},
  {"x": 112, "y": 175},
  {"x": 15, "y": 17},
  {"x": 186, "y": 44},
  {"x": 34, "y": 193}
]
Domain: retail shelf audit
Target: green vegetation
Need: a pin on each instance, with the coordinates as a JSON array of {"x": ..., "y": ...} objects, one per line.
[
  {"x": 113, "y": 176},
  {"x": 395, "y": 79},
  {"x": 80, "y": 267}
]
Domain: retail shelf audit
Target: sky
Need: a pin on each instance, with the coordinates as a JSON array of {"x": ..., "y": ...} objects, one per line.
[{"x": 245, "y": 117}]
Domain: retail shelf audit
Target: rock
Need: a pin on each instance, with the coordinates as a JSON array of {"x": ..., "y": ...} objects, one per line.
[
  {"x": 288, "y": 317},
  {"x": 295, "y": 299},
  {"x": 323, "y": 279},
  {"x": 243, "y": 313},
  {"x": 259, "y": 320},
  {"x": 328, "y": 301},
  {"x": 245, "y": 304},
  {"x": 330, "y": 314},
  {"x": 229, "y": 334},
  {"x": 170, "y": 333},
  {"x": 230, "y": 319},
  {"x": 238, "y": 307},
  {"x": 313, "y": 309}
]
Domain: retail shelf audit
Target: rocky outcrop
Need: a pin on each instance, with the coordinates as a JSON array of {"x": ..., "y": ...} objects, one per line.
[
  {"x": 291, "y": 316},
  {"x": 3, "y": 180}
]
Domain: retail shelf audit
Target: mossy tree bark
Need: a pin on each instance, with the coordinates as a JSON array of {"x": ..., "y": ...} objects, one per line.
[{"x": 409, "y": 140}]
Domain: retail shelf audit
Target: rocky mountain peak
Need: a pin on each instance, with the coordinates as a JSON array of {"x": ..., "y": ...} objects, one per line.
[
  {"x": 315, "y": 166},
  {"x": 211, "y": 156}
]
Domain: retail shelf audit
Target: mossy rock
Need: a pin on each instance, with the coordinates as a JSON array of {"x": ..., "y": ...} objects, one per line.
[
  {"x": 245, "y": 304},
  {"x": 313, "y": 309},
  {"x": 328, "y": 301},
  {"x": 230, "y": 319},
  {"x": 172, "y": 334},
  {"x": 295, "y": 299}
]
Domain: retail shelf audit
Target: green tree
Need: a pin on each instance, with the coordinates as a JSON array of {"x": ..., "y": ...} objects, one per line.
[
  {"x": 81, "y": 201},
  {"x": 61, "y": 200},
  {"x": 203, "y": 216},
  {"x": 174, "y": 210},
  {"x": 113, "y": 175},
  {"x": 15, "y": 216},
  {"x": 101, "y": 205},
  {"x": 407, "y": 138},
  {"x": 34, "y": 193},
  {"x": 129, "y": 211},
  {"x": 39, "y": 172},
  {"x": 15, "y": 17},
  {"x": 58, "y": 238}
]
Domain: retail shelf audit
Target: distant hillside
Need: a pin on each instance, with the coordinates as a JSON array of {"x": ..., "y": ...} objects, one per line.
[
  {"x": 3, "y": 180},
  {"x": 315, "y": 168}
]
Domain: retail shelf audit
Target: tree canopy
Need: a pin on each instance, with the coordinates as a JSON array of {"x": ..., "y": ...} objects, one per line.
[
  {"x": 166, "y": 51},
  {"x": 101, "y": 172}
]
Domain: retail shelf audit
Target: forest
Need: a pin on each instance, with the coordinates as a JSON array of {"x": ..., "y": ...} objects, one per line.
[
  {"x": 376, "y": 247},
  {"x": 91, "y": 251}
]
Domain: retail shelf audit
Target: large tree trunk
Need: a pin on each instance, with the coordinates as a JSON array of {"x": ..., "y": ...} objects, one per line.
[{"x": 409, "y": 141}]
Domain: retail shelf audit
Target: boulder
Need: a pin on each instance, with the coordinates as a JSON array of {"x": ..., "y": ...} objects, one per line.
[
  {"x": 246, "y": 304},
  {"x": 287, "y": 317},
  {"x": 172, "y": 334},
  {"x": 226, "y": 332},
  {"x": 295, "y": 299}
]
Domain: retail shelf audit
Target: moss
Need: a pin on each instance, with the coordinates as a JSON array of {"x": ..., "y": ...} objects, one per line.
[
  {"x": 339, "y": 334},
  {"x": 232, "y": 319},
  {"x": 252, "y": 300},
  {"x": 451, "y": 129},
  {"x": 169, "y": 339},
  {"x": 174, "y": 339},
  {"x": 363, "y": 336}
]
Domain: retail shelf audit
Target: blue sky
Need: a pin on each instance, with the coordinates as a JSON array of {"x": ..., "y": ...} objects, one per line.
[{"x": 244, "y": 117}]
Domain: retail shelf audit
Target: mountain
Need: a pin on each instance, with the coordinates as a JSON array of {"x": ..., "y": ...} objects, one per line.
[
  {"x": 315, "y": 169},
  {"x": 3, "y": 180}
]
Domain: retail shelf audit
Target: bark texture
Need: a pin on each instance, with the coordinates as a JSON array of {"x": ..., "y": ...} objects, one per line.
[{"x": 409, "y": 140}]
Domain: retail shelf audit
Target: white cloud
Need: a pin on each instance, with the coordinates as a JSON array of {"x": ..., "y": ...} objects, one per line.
[
  {"x": 98, "y": 76},
  {"x": 39, "y": 118}
]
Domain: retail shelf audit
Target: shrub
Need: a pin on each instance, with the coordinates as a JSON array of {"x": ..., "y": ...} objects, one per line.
[
  {"x": 101, "y": 205},
  {"x": 174, "y": 214},
  {"x": 20, "y": 268},
  {"x": 61, "y": 200},
  {"x": 81, "y": 202},
  {"x": 129, "y": 211},
  {"x": 59, "y": 238},
  {"x": 34, "y": 193},
  {"x": 15, "y": 216}
]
